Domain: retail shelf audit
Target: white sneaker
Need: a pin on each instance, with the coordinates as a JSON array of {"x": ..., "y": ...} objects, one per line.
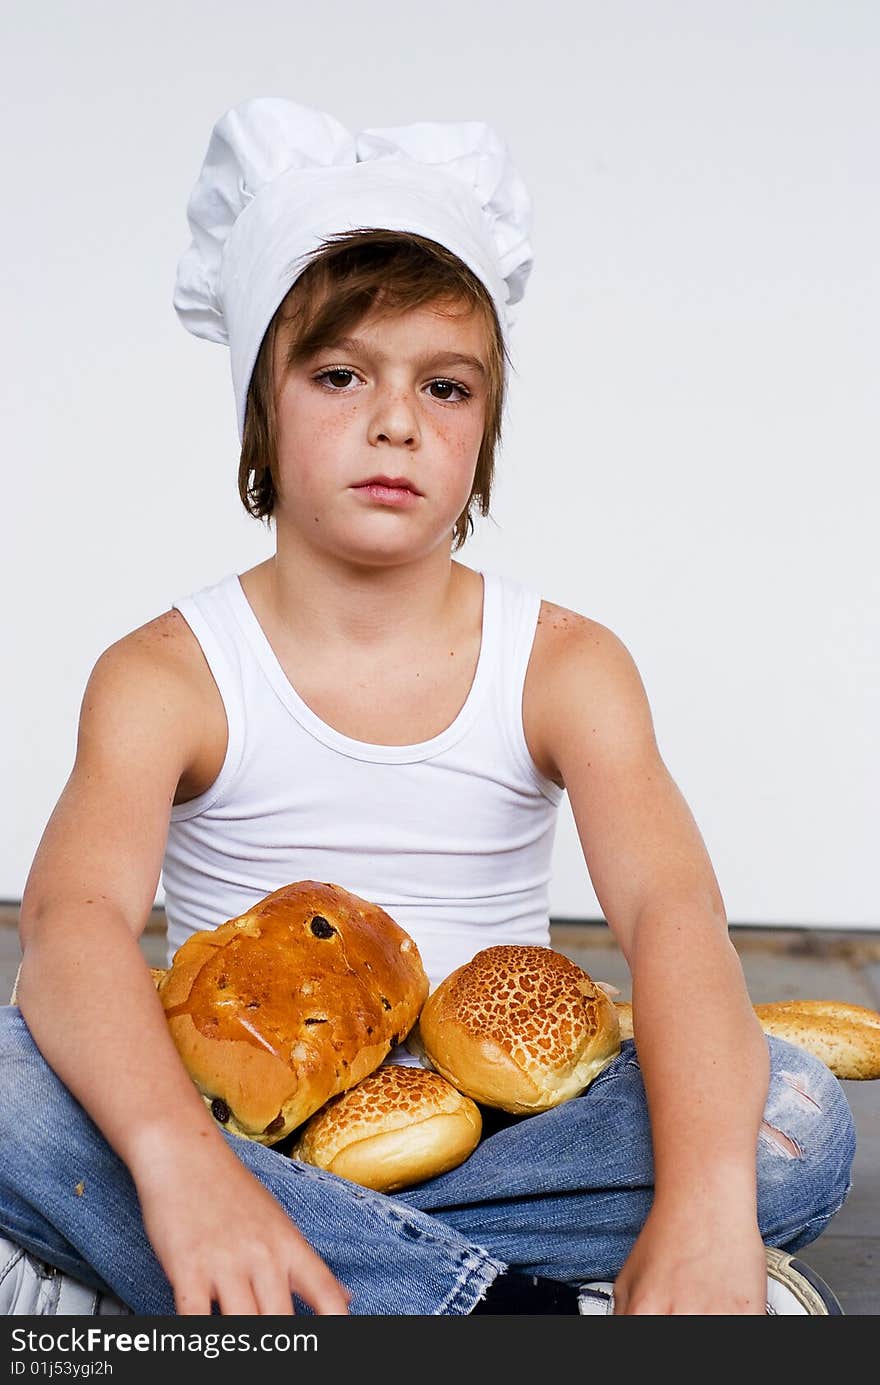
[
  {"x": 29, "y": 1287},
  {"x": 792, "y": 1287}
]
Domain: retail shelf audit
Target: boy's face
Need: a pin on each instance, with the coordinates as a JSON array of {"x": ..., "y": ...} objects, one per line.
[{"x": 390, "y": 402}]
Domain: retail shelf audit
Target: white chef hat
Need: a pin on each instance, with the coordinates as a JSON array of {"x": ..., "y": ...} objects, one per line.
[{"x": 279, "y": 178}]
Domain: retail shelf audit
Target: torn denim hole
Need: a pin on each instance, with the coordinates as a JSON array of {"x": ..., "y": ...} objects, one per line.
[
  {"x": 780, "y": 1141},
  {"x": 776, "y": 1137},
  {"x": 797, "y": 1083}
]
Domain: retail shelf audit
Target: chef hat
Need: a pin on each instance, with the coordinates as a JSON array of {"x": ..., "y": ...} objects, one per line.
[{"x": 279, "y": 178}]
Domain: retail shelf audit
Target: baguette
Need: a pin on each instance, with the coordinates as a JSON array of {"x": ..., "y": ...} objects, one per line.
[{"x": 845, "y": 1037}]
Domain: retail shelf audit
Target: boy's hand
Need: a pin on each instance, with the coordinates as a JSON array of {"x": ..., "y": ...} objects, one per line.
[
  {"x": 220, "y": 1236},
  {"x": 687, "y": 1263}
]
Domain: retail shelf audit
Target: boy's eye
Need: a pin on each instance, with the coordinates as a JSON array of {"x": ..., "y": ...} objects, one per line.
[
  {"x": 452, "y": 385},
  {"x": 326, "y": 374},
  {"x": 337, "y": 378}
]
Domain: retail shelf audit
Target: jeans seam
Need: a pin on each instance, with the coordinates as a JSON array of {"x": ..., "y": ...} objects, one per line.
[
  {"x": 834, "y": 1210},
  {"x": 467, "y": 1260},
  {"x": 470, "y": 1271},
  {"x": 820, "y": 1220}
]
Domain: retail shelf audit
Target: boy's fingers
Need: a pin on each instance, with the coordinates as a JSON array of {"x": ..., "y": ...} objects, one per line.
[
  {"x": 192, "y": 1300},
  {"x": 312, "y": 1280},
  {"x": 319, "y": 1288},
  {"x": 273, "y": 1293},
  {"x": 236, "y": 1297},
  {"x": 265, "y": 1292}
]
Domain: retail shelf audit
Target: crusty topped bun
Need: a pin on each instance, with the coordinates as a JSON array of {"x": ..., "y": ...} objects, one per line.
[
  {"x": 518, "y": 1027},
  {"x": 280, "y": 1009},
  {"x": 397, "y": 1127}
]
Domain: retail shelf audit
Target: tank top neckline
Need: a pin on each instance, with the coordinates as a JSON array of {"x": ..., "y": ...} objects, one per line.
[{"x": 367, "y": 750}]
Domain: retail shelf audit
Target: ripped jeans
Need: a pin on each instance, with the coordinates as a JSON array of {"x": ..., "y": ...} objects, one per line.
[{"x": 562, "y": 1193}]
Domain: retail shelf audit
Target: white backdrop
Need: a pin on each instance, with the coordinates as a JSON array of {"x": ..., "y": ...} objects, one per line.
[{"x": 691, "y": 446}]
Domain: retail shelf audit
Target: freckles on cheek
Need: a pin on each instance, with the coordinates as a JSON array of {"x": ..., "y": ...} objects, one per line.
[
  {"x": 460, "y": 446},
  {"x": 314, "y": 446},
  {"x": 336, "y": 425}
]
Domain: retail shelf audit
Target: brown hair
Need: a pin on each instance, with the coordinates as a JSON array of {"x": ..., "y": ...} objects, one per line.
[{"x": 349, "y": 276}]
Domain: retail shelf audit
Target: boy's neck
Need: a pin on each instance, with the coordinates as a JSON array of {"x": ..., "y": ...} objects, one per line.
[{"x": 322, "y": 607}]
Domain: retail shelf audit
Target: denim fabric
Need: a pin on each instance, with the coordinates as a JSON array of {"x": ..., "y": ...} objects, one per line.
[
  {"x": 562, "y": 1193},
  {"x": 565, "y": 1192}
]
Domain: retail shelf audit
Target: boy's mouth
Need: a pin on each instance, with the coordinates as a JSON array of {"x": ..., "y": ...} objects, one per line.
[{"x": 390, "y": 483}]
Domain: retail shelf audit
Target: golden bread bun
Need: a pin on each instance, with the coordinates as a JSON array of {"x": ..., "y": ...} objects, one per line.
[
  {"x": 397, "y": 1127},
  {"x": 157, "y": 973},
  {"x": 846, "y": 1037},
  {"x": 289, "y": 1004},
  {"x": 519, "y": 1027}
]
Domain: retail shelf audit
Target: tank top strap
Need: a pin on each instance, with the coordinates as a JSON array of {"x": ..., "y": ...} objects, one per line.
[
  {"x": 209, "y": 615},
  {"x": 520, "y": 608}
]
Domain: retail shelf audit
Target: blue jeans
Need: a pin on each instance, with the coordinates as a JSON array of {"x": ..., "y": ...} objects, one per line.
[{"x": 562, "y": 1193}]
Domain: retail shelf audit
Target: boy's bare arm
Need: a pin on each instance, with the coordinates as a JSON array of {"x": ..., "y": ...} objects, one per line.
[
  {"x": 702, "y": 1052},
  {"x": 86, "y": 994}
]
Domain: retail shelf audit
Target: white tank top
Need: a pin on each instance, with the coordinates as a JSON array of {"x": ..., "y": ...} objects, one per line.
[{"x": 453, "y": 836}]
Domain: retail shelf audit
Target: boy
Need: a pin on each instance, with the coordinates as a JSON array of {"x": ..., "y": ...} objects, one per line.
[{"x": 330, "y": 714}]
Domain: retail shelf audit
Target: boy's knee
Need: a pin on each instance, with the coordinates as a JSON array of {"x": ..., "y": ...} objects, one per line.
[
  {"x": 28, "y": 1086},
  {"x": 806, "y": 1142},
  {"x": 805, "y": 1090}
]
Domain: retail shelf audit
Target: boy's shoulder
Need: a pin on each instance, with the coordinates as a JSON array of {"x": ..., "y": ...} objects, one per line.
[
  {"x": 574, "y": 664},
  {"x": 166, "y": 643},
  {"x": 562, "y": 632},
  {"x": 164, "y": 655},
  {"x": 165, "y": 652},
  {"x": 576, "y": 655}
]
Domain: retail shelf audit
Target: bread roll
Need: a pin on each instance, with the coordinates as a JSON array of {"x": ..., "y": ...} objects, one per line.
[
  {"x": 289, "y": 1004},
  {"x": 518, "y": 1027},
  {"x": 845, "y": 1037},
  {"x": 397, "y": 1127},
  {"x": 624, "y": 1018}
]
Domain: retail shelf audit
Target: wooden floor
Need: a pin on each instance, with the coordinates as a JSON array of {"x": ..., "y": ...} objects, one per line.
[{"x": 779, "y": 964}]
